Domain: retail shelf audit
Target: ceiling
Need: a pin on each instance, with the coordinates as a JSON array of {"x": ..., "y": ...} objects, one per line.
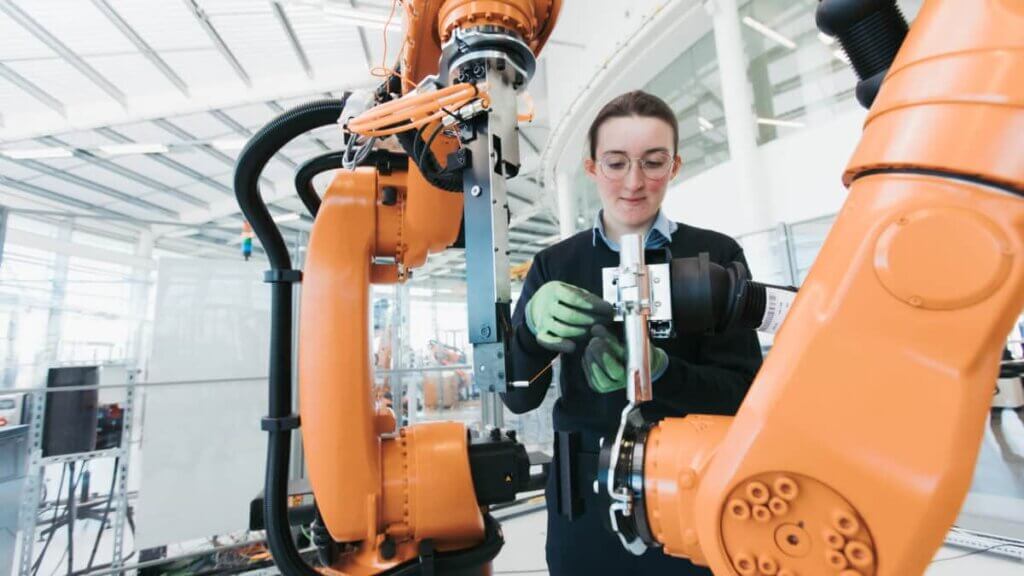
[{"x": 130, "y": 113}]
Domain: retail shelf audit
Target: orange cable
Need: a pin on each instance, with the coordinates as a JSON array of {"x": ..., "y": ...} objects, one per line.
[
  {"x": 543, "y": 370},
  {"x": 384, "y": 71},
  {"x": 413, "y": 111}
]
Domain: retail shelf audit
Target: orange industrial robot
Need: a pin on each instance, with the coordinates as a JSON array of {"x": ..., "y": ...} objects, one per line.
[{"x": 822, "y": 471}]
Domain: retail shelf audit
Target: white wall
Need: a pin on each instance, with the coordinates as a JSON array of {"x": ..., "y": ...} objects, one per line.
[
  {"x": 588, "y": 33},
  {"x": 202, "y": 448},
  {"x": 802, "y": 178}
]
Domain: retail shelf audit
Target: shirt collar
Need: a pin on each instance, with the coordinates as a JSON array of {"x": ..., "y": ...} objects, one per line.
[{"x": 657, "y": 236}]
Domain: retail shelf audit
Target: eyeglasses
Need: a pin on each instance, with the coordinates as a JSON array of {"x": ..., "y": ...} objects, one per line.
[{"x": 654, "y": 166}]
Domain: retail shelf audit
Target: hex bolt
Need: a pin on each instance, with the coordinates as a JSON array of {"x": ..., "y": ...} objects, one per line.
[{"x": 475, "y": 190}]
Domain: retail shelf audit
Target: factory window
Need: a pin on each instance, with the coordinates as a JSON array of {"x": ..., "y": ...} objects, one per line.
[
  {"x": 798, "y": 76},
  {"x": 58, "y": 306},
  {"x": 691, "y": 86}
]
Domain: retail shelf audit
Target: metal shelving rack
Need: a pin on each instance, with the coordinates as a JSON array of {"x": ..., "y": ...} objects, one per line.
[{"x": 37, "y": 465}]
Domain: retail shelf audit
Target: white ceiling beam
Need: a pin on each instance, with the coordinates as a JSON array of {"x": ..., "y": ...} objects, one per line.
[
  {"x": 293, "y": 39},
  {"x": 123, "y": 172},
  {"x": 61, "y": 199},
  {"x": 40, "y": 242},
  {"x": 175, "y": 130},
  {"x": 96, "y": 187},
  {"x": 363, "y": 41},
  {"x": 33, "y": 90},
  {"x": 229, "y": 206},
  {"x": 93, "y": 116},
  {"x": 241, "y": 130},
  {"x": 51, "y": 41},
  {"x": 141, "y": 44},
  {"x": 218, "y": 41},
  {"x": 172, "y": 164}
]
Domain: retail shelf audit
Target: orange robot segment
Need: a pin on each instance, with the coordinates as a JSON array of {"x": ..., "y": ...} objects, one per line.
[
  {"x": 869, "y": 411},
  {"x": 938, "y": 320},
  {"x": 342, "y": 424},
  {"x": 334, "y": 363},
  {"x": 678, "y": 452}
]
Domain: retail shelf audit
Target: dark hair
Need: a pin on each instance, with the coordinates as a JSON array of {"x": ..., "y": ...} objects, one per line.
[{"x": 635, "y": 103}]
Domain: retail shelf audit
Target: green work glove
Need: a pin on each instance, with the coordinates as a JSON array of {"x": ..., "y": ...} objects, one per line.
[
  {"x": 559, "y": 312},
  {"x": 604, "y": 361}
]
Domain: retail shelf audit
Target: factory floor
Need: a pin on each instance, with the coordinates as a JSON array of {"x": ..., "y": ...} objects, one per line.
[{"x": 524, "y": 554}]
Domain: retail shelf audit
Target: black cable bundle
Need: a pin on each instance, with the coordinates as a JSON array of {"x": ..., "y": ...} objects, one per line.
[{"x": 280, "y": 421}]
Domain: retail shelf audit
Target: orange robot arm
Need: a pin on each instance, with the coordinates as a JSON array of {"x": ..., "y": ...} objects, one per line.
[
  {"x": 824, "y": 470},
  {"x": 383, "y": 493}
]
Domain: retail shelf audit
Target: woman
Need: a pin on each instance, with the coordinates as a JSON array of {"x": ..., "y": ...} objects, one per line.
[{"x": 632, "y": 158}]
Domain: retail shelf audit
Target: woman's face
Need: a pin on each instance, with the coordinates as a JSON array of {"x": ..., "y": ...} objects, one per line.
[{"x": 631, "y": 195}]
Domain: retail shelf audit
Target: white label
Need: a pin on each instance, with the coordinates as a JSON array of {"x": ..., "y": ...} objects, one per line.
[{"x": 776, "y": 308}]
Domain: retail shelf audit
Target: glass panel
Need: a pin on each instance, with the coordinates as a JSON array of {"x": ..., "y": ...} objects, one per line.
[
  {"x": 691, "y": 86},
  {"x": 97, "y": 241},
  {"x": 767, "y": 256},
  {"x": 806, "y": 238},
  {"x": 798, "y": 76}
]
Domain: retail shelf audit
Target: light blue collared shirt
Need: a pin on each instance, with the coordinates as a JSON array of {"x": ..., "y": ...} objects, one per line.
[{"x": 658, "y": 236}]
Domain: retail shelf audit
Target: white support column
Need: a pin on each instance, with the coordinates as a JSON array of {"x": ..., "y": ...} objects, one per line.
[
  {"x": 566, "y": 205},
  {"x": 55, "y": 318},
  {"x": 741, "y": 123},
  {"x": 139, "y": 299}
]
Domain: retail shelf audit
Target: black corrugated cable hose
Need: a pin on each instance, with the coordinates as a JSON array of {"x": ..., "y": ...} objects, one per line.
[
  {"x": 251, "y": 162},
  {"x": 384, "y": 161}
]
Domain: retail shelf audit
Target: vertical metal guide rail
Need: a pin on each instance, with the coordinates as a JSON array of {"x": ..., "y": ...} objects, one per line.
[{"x": 492, "y": 140}]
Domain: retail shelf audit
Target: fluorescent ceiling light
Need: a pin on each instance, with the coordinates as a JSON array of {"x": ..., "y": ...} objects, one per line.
[
  {"x": 229, "y": 145},
  {"x": 826, "y": 39},
  {"x": 705, "y": 124},
  {"x": 784, "y": 123},
  {"x": 125, "y": 149},
  {"x": 290, "y": 217},
  {"x": 840, "y": 55},
  {"x": 37, "y": 153},
  {"x": 772, "y": 34}
]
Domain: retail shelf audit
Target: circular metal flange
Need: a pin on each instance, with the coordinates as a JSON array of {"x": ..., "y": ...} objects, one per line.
[
  {"x": 621, "y": 476},
  {"x": 477, "y": 46}
]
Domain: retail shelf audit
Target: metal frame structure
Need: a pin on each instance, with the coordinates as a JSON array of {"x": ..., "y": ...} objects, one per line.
[{"x": 37, "y": 465}]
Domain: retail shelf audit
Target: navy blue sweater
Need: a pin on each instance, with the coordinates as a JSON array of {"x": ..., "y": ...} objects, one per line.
[{"x": 707, "y": 374}]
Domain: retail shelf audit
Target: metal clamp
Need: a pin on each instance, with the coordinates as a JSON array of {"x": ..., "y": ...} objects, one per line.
[
  {"x": 289, "y": 422},
  {"x": 277, "y": 276}
]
